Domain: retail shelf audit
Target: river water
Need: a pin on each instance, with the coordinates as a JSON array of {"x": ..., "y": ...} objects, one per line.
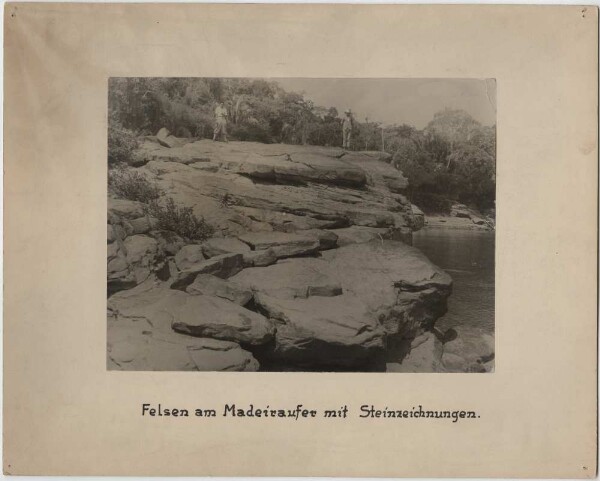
[{"x": 468, "y": 256}]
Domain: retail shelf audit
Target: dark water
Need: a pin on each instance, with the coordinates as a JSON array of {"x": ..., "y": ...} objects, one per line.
[{"x": 468, "y": 256}]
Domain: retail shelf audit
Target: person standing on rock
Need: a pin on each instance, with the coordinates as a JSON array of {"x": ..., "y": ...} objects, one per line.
[
  {"x": 347, "y": 126},
  {"x": 221, "y": 122}
]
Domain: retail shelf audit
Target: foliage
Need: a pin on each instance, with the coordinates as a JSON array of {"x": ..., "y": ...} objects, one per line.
[
  {"x": 432, "y": 203},
  {"x": 180, "y": 220},
  {"x": 121, "y": 145},
  {"x": 132, "y": 185}
]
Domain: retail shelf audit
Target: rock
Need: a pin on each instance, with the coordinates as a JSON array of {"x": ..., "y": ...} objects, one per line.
[
  {"x": 115, "y": 250},
  {"x": 324, "y": 331},
  {"x": 224, "y": 245},
  {"x": 453, "y": 363},
  {"x": 142, "y": 225},
  {"x": 359, "y": 234},
  {"x": 159, "y": 167},
  {"x": 169, "y": 242},
  {"x": 488, "y": 348},
  {"x": 205, "y": 191},
  {"x": 221, "y": 319},
  {"x": 276, "y": 201},
  {"x": 291, "y": 278},
  {"x": 141, "y": 249},
  {"x": 189, "y": 256},
  {"x": 163, "y": 309},
  {"x": 295, "y": 167},
  {"x": 206, "y": 284},
  {"x": 282, "y": 244},
  {"x": 135, "y": 347},
  {"x": 327, "y": 239},
  {"x": 165, "y": 139},
  {"x": 417, "y": 218},
  {"x": 425, "y": 355},
  {"x": 396, "y": 281},
  {"x": 110, "y": 233},
  {"x": 284, "y": 221},
  {"x": 127, "y": 209},
  {"x": 143, "y": 256},
  {"x": 162, "y": 134},
  {"x": 260, "y": 258},
  {"x": 222, "y": 266},
  {"x": 379, "y": 171},
  {"x": 119, "y": 274}
]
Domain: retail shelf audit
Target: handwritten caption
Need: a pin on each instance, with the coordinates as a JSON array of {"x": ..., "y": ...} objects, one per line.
[{"x": 302, "y": 412}]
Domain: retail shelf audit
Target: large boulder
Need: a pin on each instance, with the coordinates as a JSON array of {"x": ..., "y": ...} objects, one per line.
[
  {"x": 134, "y": 347},
  {"x": 324, "y": 332},
  {"x": 162, "y": 309},
  {"x": 394, "y": 280}
]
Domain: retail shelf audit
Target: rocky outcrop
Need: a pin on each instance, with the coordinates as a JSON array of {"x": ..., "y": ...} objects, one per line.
[
  {"x": 309, "y": 267},
  {"x": 461, "y": 217}
]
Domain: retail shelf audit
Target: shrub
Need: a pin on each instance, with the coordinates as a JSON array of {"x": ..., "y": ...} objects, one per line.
[
  {"x": 132, "y": 185},
  {"x": 432, "y": 203},
  {"x": 121, "y": 144},
  {"x": 180, "y": 220}
]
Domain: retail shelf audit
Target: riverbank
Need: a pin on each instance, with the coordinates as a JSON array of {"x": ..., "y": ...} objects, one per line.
[{"x": 460, "y": 217}]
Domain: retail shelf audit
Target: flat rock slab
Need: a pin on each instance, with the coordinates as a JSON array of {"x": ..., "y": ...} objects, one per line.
[
  {"x": 395, "y": 280},
  {"x": 282, "y": 244},
  {"x": 291, "y": 278},
  {"x": 224, "y": 245},
  {"x": 134, "y": 347},
  {"x": 324, "y": 331},
  {"x": 222, "y": 266},
  {"x": 202, "y": 316},
  {"x": 206, "y": 284}
]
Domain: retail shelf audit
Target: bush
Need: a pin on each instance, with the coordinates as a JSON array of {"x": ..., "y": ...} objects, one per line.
[
  {"x": 432, "y": 203},
  {"x": 180, "y": 220},
  {"x": 121, "y": 144},
  {"x": 132, "y": 185}
]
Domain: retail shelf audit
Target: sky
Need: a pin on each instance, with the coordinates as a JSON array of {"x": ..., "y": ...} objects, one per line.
[{"x": 400, "y": 101}]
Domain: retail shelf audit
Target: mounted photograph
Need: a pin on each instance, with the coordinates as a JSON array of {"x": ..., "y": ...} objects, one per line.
[{"x": 301, "y": 224}]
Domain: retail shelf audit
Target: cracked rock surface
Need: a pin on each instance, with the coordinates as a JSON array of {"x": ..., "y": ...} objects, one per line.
[{"x": 309, "y": 267}]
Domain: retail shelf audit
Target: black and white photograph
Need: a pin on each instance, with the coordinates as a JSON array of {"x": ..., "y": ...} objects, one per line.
[{"x": 301, "y": 224}]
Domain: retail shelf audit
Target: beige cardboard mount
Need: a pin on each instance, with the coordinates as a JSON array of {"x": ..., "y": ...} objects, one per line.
[{"x": 64, "y": 413}]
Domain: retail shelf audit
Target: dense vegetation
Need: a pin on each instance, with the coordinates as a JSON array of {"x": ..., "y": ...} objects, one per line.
[{"x": 453, "y": 158}]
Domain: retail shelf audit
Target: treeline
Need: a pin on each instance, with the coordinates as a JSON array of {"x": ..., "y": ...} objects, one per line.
[{"x": 453, "y": 158}]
